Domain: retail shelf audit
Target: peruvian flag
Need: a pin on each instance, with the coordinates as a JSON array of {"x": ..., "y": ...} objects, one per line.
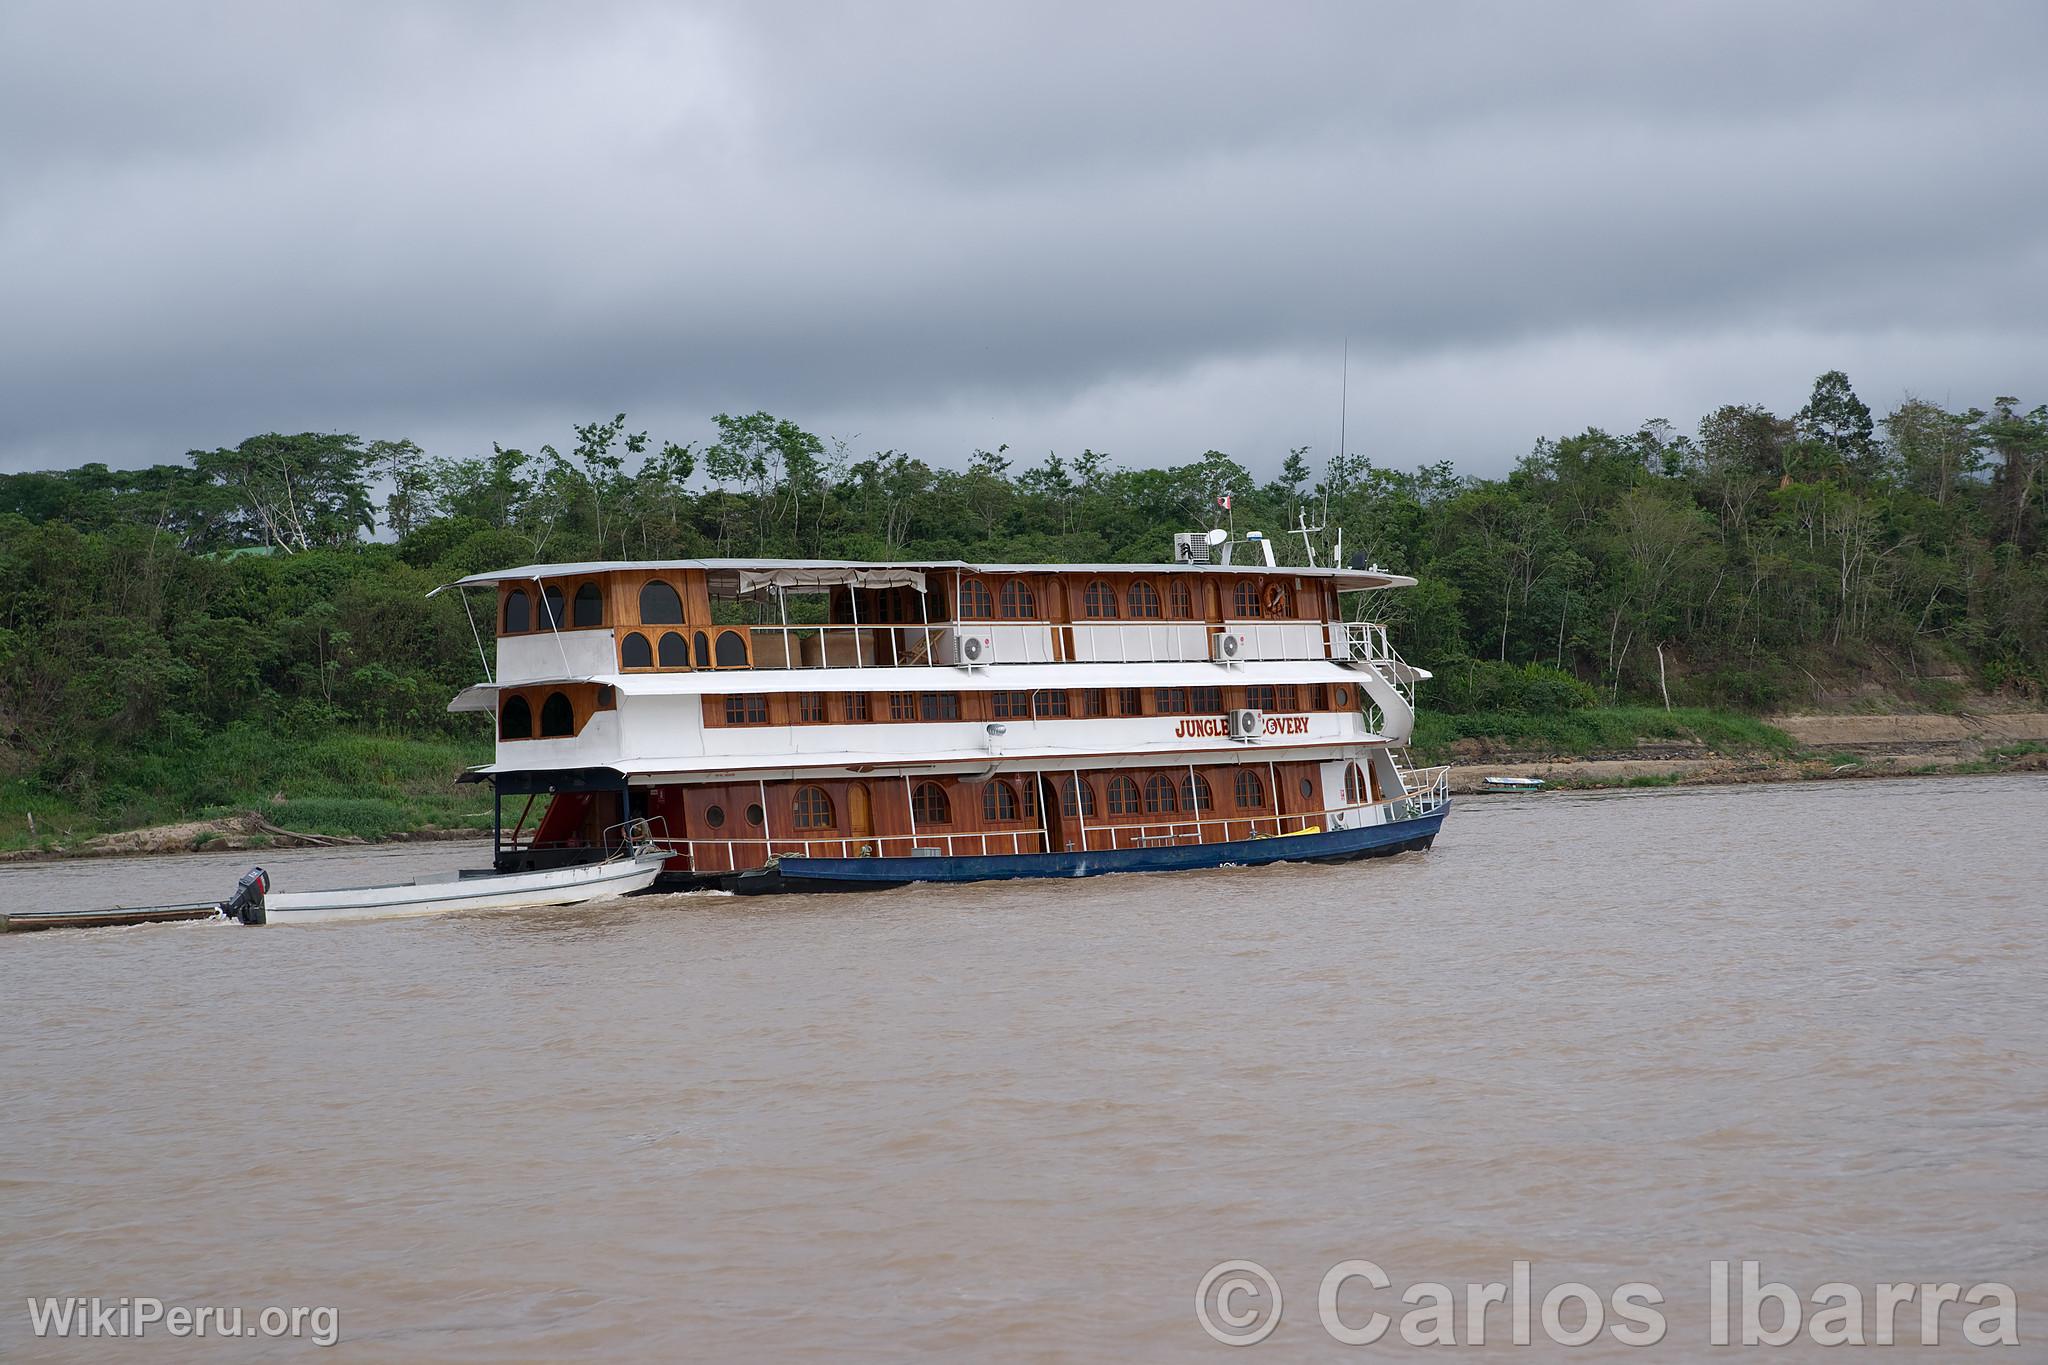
[{"x": 1224, "y": 502}]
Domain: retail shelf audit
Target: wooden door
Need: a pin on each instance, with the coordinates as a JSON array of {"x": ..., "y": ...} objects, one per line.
[{"x": 860, "y": 817}]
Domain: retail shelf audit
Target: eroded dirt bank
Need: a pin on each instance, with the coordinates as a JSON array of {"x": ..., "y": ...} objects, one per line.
[{"x": 1834, "y": 746}]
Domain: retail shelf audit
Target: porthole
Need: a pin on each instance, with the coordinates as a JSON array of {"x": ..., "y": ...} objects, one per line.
[
  {"x": 1342, "y": 696},
  {"x": 714, "y": 816},
  {"x": 1308, "y": 788},
  {"x": 754, "y": 816}
]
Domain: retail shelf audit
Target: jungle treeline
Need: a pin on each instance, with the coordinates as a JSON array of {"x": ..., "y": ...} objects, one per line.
[{"x": 279, "y": 587}]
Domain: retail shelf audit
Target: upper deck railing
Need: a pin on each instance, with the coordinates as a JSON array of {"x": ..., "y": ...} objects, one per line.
[{"x": 685, "y": 648}]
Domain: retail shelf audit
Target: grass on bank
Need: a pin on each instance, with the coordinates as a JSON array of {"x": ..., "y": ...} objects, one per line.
[
  {"x": 341, "y": 782},
  {"x": 1594, "y": 731}
]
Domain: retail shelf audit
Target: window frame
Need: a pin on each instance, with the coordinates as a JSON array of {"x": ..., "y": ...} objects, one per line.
[
  {"x": 978, "y": 605},
  {"x": 547, "y": 705},
  {"x": 997, "y": 795},
  {"x": 641, "y": 603},
  {"x": 1018, "y": 600},
  {"x": 505, "y": 706},
  {"x": 921, "y": 810},
  {"x": 1160, "y": 796},
  {"x": 1122, "y": 796},
  {"x": 1077, "y": 797},
  {"x": 525, "y": 602},
  {"x": 806, "y": 804}
]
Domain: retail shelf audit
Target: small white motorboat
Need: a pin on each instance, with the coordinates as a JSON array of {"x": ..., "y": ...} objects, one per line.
[
  {"x": 254, "y": 903},
  {"x": 1515, "y": 784}
]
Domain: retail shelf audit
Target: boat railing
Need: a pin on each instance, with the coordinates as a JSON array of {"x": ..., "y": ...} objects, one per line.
[
  {"x": 735, "y": 854},
  {"x": 1359, "y": 640},
  {"x": 923, "y": 644},
  {"x": 879, "y": 645},
  {"x": 1428, "y": 789},
  {"x": 634, "y": 838}
]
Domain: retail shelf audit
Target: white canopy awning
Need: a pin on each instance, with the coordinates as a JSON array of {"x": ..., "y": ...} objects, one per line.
[{"x": 750, "y": 581}]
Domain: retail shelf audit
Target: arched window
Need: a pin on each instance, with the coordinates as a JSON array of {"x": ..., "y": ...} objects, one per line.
[
  {"x": 1019, "y": 603},
  {"x": 1276, "y": 600},
  {"x": 703, "y": 647},
  {"x": 551, "y": 603},
  {"x": 1144, "y": 601},
  {"x": 975, "y": 603},
  {"x": 1077, "y": 797},
  {"x": 515, "y": 720},
  {"x": 1180, "y": 601},
  {"x": 675, "y": 650},
  {"x": 1100, "y": 601},
  {"x": 813, "y": 808},
  {"x": 1159, "y": 795},
  {"x": 1123, "y": 796},
  {"x": 1251, "y": 791},
  {"x": 928, "y": 805},
  {"x": 1356, "y": 791},
  {"x": 635, "y": 652},
  {"x": 1194, "y": 793},
  {"x": 588, "y": 609},
  {"x": 557, "y": 717},
  {"x": 731, "y": 649},
  {"x": 1247, "y": 599},
  {"x": 999, "y": 802},
  {"x": 518, "y": 611},
  {"x": 659, "y": 604}
]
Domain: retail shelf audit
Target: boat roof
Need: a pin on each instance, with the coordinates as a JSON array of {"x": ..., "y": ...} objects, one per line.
[{"x": 820, "y": 572}]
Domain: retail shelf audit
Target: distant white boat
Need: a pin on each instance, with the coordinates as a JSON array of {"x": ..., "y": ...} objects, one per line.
[{"x": 1515, "y": 784}]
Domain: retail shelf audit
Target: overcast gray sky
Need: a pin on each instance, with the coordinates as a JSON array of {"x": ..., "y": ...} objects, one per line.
[{"x": 1144, "y": 228}]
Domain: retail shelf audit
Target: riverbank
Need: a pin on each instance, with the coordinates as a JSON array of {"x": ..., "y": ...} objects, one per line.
[
  {"x": 1798, "y": 748},
  {"x": 251, "y": 788}
]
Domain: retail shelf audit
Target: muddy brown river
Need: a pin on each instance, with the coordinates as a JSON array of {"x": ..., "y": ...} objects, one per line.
[{"x": 1618, "y": 1037}]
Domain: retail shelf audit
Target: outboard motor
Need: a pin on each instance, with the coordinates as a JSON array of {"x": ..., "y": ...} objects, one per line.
[{"x": 246, "y": 904}]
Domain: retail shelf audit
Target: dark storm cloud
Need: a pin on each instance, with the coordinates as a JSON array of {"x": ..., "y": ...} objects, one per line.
[{"x": 1140, "y": 227}]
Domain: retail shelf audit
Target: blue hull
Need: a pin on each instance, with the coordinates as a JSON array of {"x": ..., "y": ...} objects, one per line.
[{"x": 852, "y": 874}]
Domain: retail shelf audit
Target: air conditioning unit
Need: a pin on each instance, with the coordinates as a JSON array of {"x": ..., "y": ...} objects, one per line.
[
  {"x": 1247, "y": 724},
  {"x": 1227, "y": 647},
  {"x": 1190, "y": 547},
  {"x": 974, "y": 651}
]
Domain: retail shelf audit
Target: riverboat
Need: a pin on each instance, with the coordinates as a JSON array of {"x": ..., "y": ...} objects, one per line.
[{"x": 784, "y": 725}]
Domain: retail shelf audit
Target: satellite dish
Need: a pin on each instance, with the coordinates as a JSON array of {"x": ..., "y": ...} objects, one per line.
[{"x": 1218, "y": 536}]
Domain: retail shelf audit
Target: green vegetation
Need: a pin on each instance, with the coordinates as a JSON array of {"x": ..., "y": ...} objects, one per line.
[
  {"x": 347, "y": 782},
  {"x": 250, "y": 628}
]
